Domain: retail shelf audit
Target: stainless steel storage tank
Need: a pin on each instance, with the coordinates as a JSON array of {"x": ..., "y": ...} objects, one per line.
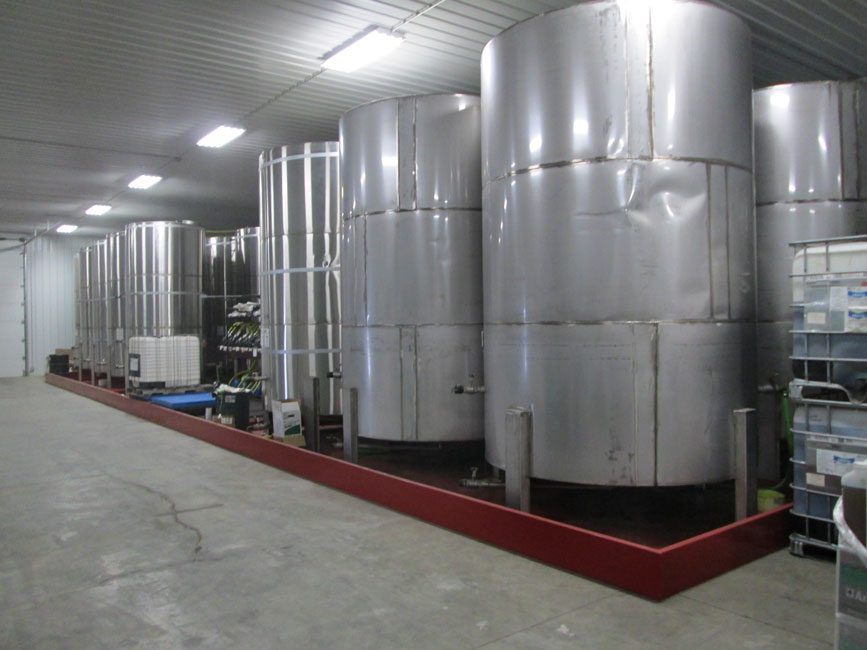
[
  {"x": 246, "y": 262},
  {"x": 117, "y": 265},
  {"x": 217, "y": 294},
  {"x": 618, "y": 240},
  {"x": 300, "y": 270},
  {"x": 230, "y": 274},
  {"x": 97, "y": 307},
  {"x": 411, "y": 251},
  {"x": 82, "y": 315},
  {"x": 164, "y": 282},
  {"x": 811, "y": 183}
]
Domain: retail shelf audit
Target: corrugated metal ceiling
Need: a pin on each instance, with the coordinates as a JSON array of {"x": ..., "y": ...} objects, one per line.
[{"x": 97, "y": 91}]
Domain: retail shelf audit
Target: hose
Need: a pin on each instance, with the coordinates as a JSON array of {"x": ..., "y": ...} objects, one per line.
[{"x": 790, "y": 441}]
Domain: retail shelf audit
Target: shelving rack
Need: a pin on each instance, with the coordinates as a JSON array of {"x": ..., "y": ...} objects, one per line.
[{"x": 829, "y": 360}]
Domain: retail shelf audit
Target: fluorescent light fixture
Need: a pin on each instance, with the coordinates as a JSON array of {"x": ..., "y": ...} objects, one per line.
[
  {"x": 145, "y": 181},
  {"x": 220, "y": 136},
  {"x": 97, "y": 209},
  {"x": 371, "y": 44},
  {"x": 67, "y": 228}
]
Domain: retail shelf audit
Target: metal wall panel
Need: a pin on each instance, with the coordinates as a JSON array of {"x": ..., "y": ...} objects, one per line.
[
  {"x": 50, "y": 276},
  {"x": 12, "y": 352}
]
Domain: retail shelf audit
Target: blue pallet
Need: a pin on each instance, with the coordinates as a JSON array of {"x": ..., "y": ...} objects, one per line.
[{"x": 185, "y": 401}]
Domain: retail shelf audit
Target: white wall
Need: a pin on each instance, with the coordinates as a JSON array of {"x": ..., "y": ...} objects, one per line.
[
  {"x": 49, "y": 283},
  {"x": 11, "y": 310}
]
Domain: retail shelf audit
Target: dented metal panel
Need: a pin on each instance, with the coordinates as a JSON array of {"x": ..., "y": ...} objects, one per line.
[{"x": 592, "y": 391}]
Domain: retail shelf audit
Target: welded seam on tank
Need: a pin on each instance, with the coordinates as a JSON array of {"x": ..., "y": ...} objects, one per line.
[
  {"x": 655, "y": 365},
  {"x": 809, "y": 202},
  {"x": 415, "y": 408},
  {"x": 165, "y": 293},
  {"x": 227, "y": 296},
  {"x": 859, "y": 128},
  {"x": 301, "y": 269},
  {"x": 420, "y": 325},
  {"x": 301, "y": 156},
  {"x": 843, "y": 143},
  {"x": 650, "y": 113},
  {"x": 286, "y": 353},
  {"x": 674, "y": 321},
  {"x": 390, "y": 212},
  {"x": 729, "y": 262},
  {"x": 610, "y": 159},
  {"x": 415, "y": 173},
  {"x": 710, "y": 255}
]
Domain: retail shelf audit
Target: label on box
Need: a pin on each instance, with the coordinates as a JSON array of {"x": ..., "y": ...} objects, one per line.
[
  {"x": 816, "y": 480},
  {"x": 265, "y": 337},
  {"x": 839, "y": 298},
  {"x": 852, "y": 587},
  {"x": 856, "y": 319},
  {"x": 816, "y": 318},
  {"x": 832, "y": 461},
  {"x": 857, "y": 296}
]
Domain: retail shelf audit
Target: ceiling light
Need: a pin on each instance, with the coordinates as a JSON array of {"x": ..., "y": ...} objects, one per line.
[
  {"x": 780, "y": 99},
  {"x": 97, "y": 209},
  {"x": 145, "y": 181},
  {"x": 220, "y": 136},
  {"x": 371, "y": 44},
  {"x": 67, "y": 228}
]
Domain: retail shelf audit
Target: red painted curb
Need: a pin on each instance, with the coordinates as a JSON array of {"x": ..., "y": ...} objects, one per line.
[{"x": 649, "y": 572}]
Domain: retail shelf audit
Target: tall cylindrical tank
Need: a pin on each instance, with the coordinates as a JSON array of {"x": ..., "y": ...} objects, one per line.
[
  {"x": 117, "y": 263},
  {"x": 246, "y": 262},
  {"x": 811, "y": 183},
  {"x": 97, "y": 307},
  {"x": 618, "y": 240},
  {"x": 82, "y": 316},
  {"x": 300, "y": 270},
  {"x": 164, "y": 281},
  {"x": 411, "y": 250},
  {"x": 218, "y": 296},
  {"x": 230, "y": 275}
]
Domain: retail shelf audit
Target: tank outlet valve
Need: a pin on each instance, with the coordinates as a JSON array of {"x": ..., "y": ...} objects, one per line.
[{"x": 460, "y": 389}]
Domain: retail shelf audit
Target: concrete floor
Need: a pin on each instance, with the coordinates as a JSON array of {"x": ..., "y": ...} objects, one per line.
[{"x": 117, "y": 533}]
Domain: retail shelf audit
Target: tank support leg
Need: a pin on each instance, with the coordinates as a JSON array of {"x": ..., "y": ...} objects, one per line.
[
  {"x": 519, "y": 450},
  {"x": 350, "y": 424},
  {"x": 310, "y": 412},
  {"x": 746, "y": 454}
]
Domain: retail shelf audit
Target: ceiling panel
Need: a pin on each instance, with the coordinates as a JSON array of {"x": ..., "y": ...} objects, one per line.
[{"x": 98, "y": 91}]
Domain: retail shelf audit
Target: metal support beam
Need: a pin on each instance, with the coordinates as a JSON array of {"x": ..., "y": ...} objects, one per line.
[
  {"x": 310, "y": 412},
  {"x": 746, "y": 455},
  {"x": 519, "y": 451},
  {"x": 350, "y": 424}
]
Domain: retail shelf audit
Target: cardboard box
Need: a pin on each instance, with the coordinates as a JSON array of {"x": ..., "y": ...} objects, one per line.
[{"x": 286, "y": 417}]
